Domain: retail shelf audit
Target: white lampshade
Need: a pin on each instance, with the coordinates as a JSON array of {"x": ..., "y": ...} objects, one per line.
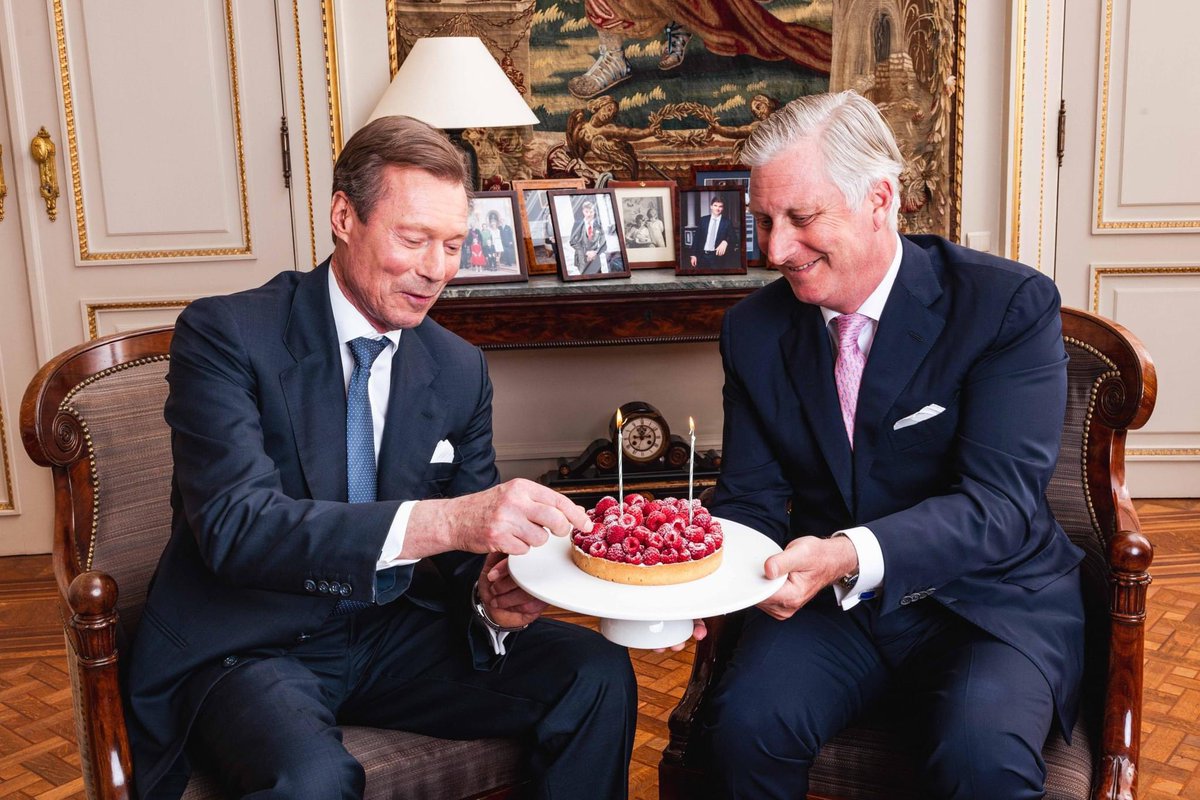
[{"x": 452, "y": 82}]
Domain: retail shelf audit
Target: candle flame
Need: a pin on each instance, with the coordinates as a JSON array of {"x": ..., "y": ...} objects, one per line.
[
  {"x": 691, "y": 425},
  {"x": 620, "y": 419}
]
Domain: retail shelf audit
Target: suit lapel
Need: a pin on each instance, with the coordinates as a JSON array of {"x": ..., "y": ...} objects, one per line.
[
  {"x": 906, "y": 333},
  {"x": 809, "y": 367},
  {"x": 314, "y": 388},
  {"x": 414, "y": 418}
]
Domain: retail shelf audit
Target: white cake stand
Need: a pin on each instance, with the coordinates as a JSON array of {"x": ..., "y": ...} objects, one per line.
[{"x": 651, "y": 616}]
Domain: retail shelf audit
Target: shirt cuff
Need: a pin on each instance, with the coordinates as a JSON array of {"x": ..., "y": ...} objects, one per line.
[
  {"x": 497, "y": 639},
  {"x": 394, "y": 543},
  {"x": 870, "y": 568}
]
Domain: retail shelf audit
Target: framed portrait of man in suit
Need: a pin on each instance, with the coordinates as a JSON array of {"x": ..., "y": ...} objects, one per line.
[
  {"x": 588, "y": 234},
  {"x": 729, "y": 176},
  {"x": 494, "y": 248},
  {"x": 712, "y": 231}
]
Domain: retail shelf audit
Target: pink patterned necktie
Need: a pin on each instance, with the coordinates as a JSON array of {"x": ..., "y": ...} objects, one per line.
[{"x": 848, "y": 369}]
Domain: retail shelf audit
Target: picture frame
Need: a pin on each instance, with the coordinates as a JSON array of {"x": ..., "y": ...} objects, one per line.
[
  {"x": 646, "y": 210},
  {"x": 696, "y": 206},
  {"x": 604, "y": 240},
  {"x": 535, "y": 214},
  {"x": 493, "y": 250},
  {"x": 730, "y": 175}
]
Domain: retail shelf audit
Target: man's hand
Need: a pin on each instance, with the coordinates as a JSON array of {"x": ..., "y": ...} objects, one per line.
[
  {"x": 509, "y": 518},
  {"x": 810, "y": 564},
  {"x": 721, "y": 248},
  {"x": 693, "y": 260},
  {"x": 590, "y": 254},
  {"x": 699, "y": 631},
  {"x": 507, "y": 604}
]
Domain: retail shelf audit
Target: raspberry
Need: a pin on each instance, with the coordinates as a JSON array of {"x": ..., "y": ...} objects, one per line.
[
  {"x": 670, "y": 555},
  {"x": 576, "y": 537},
  {"x": 697, "y": 550},
  {"x": 632, "y": 545},
  {"x": 651, "y": 556},
  {"x": 634, "y": 499},
  {"x": 634, "y": 558},
  {"x": 656, "y": 540},
  {"x": 669, "y": 514},
  {"x": 680, "y": 523},
  {"x": 714, "y": 528},
  {"x": 693, "y": 533},
  {"x": 655, "y": 520},
  {"x": 642, "y": 533},
  {"x": 597, "y": 550},
  {"x": 636, "y": 513},
  {"x": 615, "y": 534},
  {"x": 605, "y": 503},
  {"x": 629, "y": 521},
  {"x": 615, "y": 553},
  {"x": 702, "y": 518},
  {"x": 675, "y": 541}
]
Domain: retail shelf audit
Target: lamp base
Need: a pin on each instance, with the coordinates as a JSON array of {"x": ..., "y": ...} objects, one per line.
[{"x": 456, "y": 136}]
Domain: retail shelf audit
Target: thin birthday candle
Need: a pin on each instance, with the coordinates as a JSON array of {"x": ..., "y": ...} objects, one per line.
[
  {"x": 620, "y": 465},
  {"x": 691, "y": 464}
]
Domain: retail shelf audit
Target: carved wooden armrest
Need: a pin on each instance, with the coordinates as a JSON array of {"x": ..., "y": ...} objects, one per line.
[
  {"x": 92, "y": 602},
  {"x": 1129, "y": 554},
  {"x": 711, "y": 654}
]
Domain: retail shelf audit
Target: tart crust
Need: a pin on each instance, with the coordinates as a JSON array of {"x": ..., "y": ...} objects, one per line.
[{"x": 642, "y": 575}]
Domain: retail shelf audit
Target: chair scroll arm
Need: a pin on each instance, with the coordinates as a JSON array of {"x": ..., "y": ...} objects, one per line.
[
  {"x": 92, "y": 602},
  {"x": 1129, "y": 554}
]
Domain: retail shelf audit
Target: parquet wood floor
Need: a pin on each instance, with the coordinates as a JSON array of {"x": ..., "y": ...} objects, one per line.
[{"x": 37, "y": 740}]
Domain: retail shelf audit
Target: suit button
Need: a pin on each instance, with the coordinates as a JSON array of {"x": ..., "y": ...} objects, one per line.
[
  {"x": 323, "y": 587},
  {"x": 335, "y": 587},
  {"x": 345, "y": 590},
  {"x": 304, "y": 637},
  {"x": 310, "y": 585},
  {"x": 230, "y": 661}
]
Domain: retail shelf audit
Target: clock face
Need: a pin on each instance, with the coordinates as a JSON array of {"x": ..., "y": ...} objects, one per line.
[{"x": 644, "y": 438}]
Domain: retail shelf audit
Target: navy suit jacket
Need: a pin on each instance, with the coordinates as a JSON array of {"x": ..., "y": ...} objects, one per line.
[
  {"x": 957, "y": 502},
  {"x": 263, "y": 541},
  {"x": 725, "y": 233}
]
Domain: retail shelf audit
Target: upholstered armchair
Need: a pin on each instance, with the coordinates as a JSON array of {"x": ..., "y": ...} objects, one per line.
[
  {"x": 1111, "y": 389},
  {"x": 94, "y": 417}
]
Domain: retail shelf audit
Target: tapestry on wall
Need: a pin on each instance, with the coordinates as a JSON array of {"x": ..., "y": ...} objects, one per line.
[{"x": 647, "y": 89}]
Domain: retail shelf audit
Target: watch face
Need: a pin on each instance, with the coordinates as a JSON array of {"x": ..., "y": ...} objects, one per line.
[{"x": 644, "y": 438}]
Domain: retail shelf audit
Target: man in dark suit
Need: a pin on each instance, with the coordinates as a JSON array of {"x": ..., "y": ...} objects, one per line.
[
  {"x": 334, "y": 479},
  {"x": 715, "y": 243},
  {"x": 893, "y": 408},
  {"x": 588, "y": 241}
]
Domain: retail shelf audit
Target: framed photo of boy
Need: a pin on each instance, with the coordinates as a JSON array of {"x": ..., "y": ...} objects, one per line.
[
  {"x": 589, "y": 237},
  {"x": 539, "y": 230},
  {"x": 727, "y": 175},
  {"x": 646, "y": 210},
  {"x": 492, "y": 252},
  {"x": 712, "y": 228}
]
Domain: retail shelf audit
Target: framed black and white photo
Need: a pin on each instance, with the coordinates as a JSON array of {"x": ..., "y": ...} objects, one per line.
[
  {"x": 494, "y": 250},
  {"x": 646, "y": 210},
  {"x": 712, "y": 231},
  {"x": 589, "y": 238},
  {"x": 539, "y": 229},
  {"x": 729, "y": 175}
]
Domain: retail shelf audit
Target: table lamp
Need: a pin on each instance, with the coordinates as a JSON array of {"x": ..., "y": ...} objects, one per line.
[{"x": 454, "y": 83}]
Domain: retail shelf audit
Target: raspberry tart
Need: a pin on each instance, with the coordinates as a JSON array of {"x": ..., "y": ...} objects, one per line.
[{"x": 648, "y": 542}]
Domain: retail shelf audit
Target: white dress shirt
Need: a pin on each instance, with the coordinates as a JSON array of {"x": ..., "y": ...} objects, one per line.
[
  {"x": 710, "y": 240},
  {"x": 870, "y": 555}
]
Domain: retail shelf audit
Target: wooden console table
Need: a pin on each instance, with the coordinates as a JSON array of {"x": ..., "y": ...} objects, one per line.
[{"x": 651, "y": 307}]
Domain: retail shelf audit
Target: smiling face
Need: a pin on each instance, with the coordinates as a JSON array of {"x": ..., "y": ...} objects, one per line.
[
  {"x": 832, "y": 256},
  {"x": 393, "y": 266},
  {"x": 717, "y": 207}
]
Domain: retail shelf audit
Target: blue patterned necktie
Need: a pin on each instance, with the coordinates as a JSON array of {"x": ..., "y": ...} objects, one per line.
[{"x": 360, "y": 437}]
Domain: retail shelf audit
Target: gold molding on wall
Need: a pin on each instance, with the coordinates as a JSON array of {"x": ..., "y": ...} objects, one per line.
[
  {"x": 1100, "y": 222},
  {"x": 85, "y": 254},
  {"x": 94, "y": 309},
  {"x": 1014, "y": 251},
  {"x": 312, "y": 232},
  {"x": 332, "y": 80},
  {"x": 9, "y": 503}
]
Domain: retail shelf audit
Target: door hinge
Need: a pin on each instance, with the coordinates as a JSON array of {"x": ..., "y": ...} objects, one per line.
[
  {"x": 1062, "y": 129},
  {"x": 286, "y": 149}
]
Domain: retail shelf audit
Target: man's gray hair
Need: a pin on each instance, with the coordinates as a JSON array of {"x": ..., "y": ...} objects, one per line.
[{"x": 854, "y": 138}]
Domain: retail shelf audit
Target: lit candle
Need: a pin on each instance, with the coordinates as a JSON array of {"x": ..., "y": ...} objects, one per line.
[
  {"x": 691, "y": 464},
  {"x": 620, "y": 465}
]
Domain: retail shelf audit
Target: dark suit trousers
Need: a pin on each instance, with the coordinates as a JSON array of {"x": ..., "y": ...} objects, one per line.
[
  {"x": 979, "y": 709},
  {"x": 270, "y": 727}
]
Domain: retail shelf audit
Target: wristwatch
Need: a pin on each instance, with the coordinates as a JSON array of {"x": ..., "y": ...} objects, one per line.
[
  {"x": 481, "y": 612},
  {"x": 848, "y": 580}
]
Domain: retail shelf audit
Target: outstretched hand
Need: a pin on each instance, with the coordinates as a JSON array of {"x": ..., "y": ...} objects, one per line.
[{"x": 509, "y": 518}]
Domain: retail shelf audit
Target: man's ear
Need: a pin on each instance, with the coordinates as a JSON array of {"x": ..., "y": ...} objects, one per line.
[
  {"x": 342, "y": 218},
  {"x": 880, "y": 199}
]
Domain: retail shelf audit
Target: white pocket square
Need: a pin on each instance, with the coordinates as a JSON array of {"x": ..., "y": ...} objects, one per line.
[
  {"x": 443, "y": 453},
  {"x": 928, "y": 412}
]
